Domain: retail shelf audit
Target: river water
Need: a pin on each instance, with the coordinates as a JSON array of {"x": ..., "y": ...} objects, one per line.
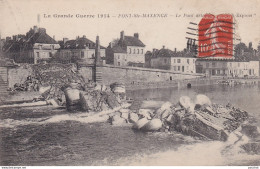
[{"x": 26, "y": 141}]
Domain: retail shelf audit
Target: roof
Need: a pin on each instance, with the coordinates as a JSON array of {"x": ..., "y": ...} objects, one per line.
[
  {"x": 38, "y": 36},
  {"x": 131, "y": 41},
  {"x": 26, "y": 42},
  {"x": 118, "y": 49},
  {"x": 247, "y": 56},
  {"x": 41, "y": 38},
  {"x": 226, "y": 60},
  {"x": 81, "y": 43},
  {"x": 169, "y": 53},
  {"x": 12, "y": 46},
  {"x": 163, "y": 53},
  {"x": 184, "y": 54}
]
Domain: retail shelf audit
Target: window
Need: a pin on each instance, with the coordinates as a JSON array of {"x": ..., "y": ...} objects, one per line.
[
  {"x": 179, "y": 68},
  {"x": 37, "y": 54},
  {"x": 213, "y": 72},
  {"x": 174, "y": 68},
  {"x": 134, "y": 51},
  {"x": 207, "y": 65},
  {"x": 130, "y": 50},
  {"x": 118, "y": 63},
  {"x": 188, "y": 61},
  {"x": 174, "y": 60},
  {"x": 82, "y": 54},
  {"x": 182, "y": 68},
  {"x": 223, "y": 64},
  {"x": 178, "y": 60},
  {"x": 137, "y": 51},
  {"x": 165, "y": 60},
  {"x": 142, "y": 51},
  {"x": 213, "y": 64}
]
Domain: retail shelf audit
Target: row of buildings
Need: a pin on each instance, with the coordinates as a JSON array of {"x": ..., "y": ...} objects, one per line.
[{"x": 37, "y": 46}]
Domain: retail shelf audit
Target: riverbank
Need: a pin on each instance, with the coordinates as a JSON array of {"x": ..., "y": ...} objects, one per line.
[
  {"x": 202, "y": 81},
  {"x": 17, "y": 96}
]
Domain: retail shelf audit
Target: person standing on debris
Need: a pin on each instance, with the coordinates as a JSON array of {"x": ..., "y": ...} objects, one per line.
[
  {"x": 36, "y": 84},
  {"x": 28, "y": 83}
]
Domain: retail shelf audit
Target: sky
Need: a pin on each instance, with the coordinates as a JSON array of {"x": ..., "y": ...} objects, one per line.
[{"x": 18, "y": 16}]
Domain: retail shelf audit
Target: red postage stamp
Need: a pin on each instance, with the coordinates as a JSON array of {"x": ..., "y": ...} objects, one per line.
[{"x": 216, "y": 36}]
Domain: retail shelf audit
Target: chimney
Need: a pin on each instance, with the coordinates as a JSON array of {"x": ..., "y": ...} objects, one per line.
[
  {"x": 175, "y": 50},
  {"x": 77, "y": 37},
  {"x": 154, "y": 50},
  {"x": 8, "y": 38},
  {"x": 136, "y": 35},
  {"x": 122, "y": 35},
  {"x": 250, "y": 45},
  {"x": 20, "y": 36},
  {"x": 188, "y": 44},
  {"x": 53, "y": 37},
  {"x": 97, "y": 52},
  {"x": 15, "y": 37},
  {"x": 163, "y": 47},
  {"x": 65, "y": 40},
  {"x": 35, "y": 29},
  {"x": 84, "y": 36},
  {"x": 111, "y": 44},
  {"x": 41, "y": 30}
]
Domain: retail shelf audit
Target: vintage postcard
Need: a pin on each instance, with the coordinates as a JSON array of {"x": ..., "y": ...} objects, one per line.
[{"x": 129, "y": 83}]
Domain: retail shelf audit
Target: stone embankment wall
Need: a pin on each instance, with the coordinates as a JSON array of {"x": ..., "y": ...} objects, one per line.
[
  {"x": 3, "y": 82},
  {"x": 133, "y": 76},
  {"x": 18, "y": 74},
  {"x": 130, "y": 76}
]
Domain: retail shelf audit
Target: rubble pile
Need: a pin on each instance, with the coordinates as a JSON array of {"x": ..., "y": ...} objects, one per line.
[
  {"x": 50, "y": 80},
  {"x": 200, "y": 118},
  {"x": 95, "y": 97},
  {"x": 57, "y": 77}
]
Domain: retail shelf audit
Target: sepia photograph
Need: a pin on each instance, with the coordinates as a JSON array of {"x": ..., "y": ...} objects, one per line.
[{"x": 129, "y": 83}]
